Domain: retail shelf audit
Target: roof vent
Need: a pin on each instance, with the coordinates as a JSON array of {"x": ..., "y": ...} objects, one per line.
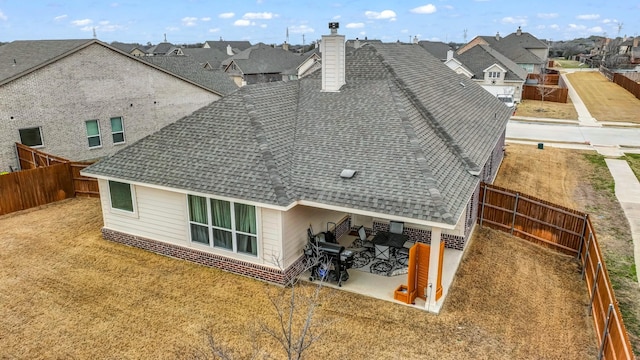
[{"x": 347, "y": 173}]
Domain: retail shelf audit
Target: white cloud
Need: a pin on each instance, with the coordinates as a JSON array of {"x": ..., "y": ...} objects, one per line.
[
  {"x": 404, "y": 31},
  {"x": 261, "y": 16},
  {"x": 355, "y": 25},
  {"x": 337, "y": 17},
  {"x": 607, "y": 21},
  {"x": 588, "y": 17},
  {"x": 60, "y": 18},
  {"x": 103, "y": 22},
  {"x": 206, "y": 19},
  {"x": 108, "y": 27},
  {"x": 189, "y": 21},
  {"x": 424, "y": 9},
  {"x": 540, "y": 27},
  {"x": 554, "y": 27},
  {"x": 301, "y": 29},
  {"x": 264, "y": 26},
  {"x": 519, "y": 20},
  {"x": 214, "y": 30},
  {"x": 172, "y": 28},
  {"x": 228, "y": 15},
  {"x": 576, "y": 27},
  {"x": 385, "y": 14},
  {"x": 448, "y": 7},
  {"x": 82, "y": 22},
  {"x": 115, "y": 4},
  {"x": 243, "y": 22},
  {"x": 548, "y": 15},
  {"x": 596, "y": 29}
]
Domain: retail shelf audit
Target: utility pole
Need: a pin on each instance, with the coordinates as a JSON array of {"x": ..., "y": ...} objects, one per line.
[{"x": 465, "y": 35}]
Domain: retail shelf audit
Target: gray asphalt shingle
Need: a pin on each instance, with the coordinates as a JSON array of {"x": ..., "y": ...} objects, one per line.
[{"x": 403, "y": 121}]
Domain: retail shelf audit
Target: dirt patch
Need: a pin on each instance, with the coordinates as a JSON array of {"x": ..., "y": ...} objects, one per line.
[
  {"x": 581, "y": 180},
  {"x": 547, "y": 109},
  {"x": 67, "y": 293},
  {"x": 605, "y": 100}
]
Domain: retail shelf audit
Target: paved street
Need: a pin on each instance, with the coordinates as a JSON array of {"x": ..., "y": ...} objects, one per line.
[{"x": 574, "y": 135}]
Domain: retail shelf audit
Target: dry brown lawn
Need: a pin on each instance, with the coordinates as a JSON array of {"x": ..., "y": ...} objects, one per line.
[
  {"x": 547, "y": 109},
  {"x": 67, "y": 293},
  {"x": 605, "y": 100},
  {"x": 581, "y": 180}
]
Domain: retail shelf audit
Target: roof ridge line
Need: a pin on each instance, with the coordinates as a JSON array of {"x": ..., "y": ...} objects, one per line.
[
  {"x": 268, "y": 158},
  {"x": 420, "y": 155},
  {"x": 431, "y": 121}
]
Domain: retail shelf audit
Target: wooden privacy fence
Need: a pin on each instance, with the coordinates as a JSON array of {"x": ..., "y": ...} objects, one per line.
[
  {"x": 552, "y": 93},
  {"x": 628, "y": 83},
  {"x": 568, "y": 231},
  {"x": 30, "y": 188},
  {"x": 44, "y": 179}
]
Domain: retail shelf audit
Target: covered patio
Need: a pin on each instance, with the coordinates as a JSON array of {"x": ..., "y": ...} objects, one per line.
[{"x": 383, "y": 287}]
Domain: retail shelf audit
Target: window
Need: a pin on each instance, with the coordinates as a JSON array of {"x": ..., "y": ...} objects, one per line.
[
  {"x": 31, "y": 136},
  {"x": 93, "y": 133},
  {"x": 117, "y": 130},
  {"x": 223, "y": 224},
  {"x": 494, "y": 74},
  {"x": 121, "y": 196}
]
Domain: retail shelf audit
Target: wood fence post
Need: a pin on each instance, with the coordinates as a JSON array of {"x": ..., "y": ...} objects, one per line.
[
  {"x": 595, "y": 286},
  {"x": 584, "y": 229},
  {"x": 605, "y": 332},
  {"x": 586, "y": 257},
  {"x": 515, "y": 209}
]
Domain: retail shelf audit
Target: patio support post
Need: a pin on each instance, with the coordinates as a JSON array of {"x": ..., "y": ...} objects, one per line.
[{"x": 434, "y": 268}]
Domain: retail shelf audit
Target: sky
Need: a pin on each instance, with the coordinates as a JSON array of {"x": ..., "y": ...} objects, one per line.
[{"x": 269, "y": 21}]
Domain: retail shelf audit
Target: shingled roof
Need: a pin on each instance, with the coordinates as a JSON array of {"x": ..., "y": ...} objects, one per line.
[
  {"x": 264, "y": 59},
  {"x": 189, "y": 68},
  {"x": 21, "y": 56},
  {"x": 415, "y": 137},
  {"x": 480, "y": 57}
]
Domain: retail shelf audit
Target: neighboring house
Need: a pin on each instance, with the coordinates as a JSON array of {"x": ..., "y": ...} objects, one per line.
[
  {"x": 236, "y": 184},
  {"x": 490, "y": 69},
  {"x": 436, "y": 48},
  {"x": 520, "y": 47},
  {"x": 208, "y": 58},
  {"x": 190, "y": 69},
  {"x": 163, "y": 48},
  {"x": 311, "y": 63},
  {"x": 131, "y": 49},
  {"x": 83, "y": 99},
  {"x": 261, "y": 63},
  {"x": 228, "y": 47}
]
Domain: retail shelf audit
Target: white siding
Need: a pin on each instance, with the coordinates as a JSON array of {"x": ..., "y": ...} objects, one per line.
[
  {"x": 163, "y": 216},
  {"x": 159, "y": 215},
  {"x": 271, "y": 238},
  {"x": 295, "y": 223}
]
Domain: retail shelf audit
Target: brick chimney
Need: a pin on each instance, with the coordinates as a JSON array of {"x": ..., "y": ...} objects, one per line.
[
  {"x": 519, "y": 31},
  {"x": 333, "y": 63},
  {"x": 498, "y": 35}
]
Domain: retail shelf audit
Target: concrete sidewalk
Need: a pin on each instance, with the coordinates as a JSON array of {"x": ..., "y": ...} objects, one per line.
[{"x": 628, "y": 194}]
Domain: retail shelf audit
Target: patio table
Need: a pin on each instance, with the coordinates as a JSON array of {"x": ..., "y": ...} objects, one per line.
[{"x": 386, "y": 244}]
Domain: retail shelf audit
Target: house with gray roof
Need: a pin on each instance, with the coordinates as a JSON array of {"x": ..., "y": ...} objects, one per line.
[
  {"x": 84, "y": 99},
  {"x": 521, "y": 47},
  {"x": 237, "y": 183},
  {"x": 189, "y": 68},
  {"x": 490, "y": 69},
  {"x": 261, "y": 63},
  {"x": 436, "y": 48},
  {"x": 207, "y": 57},
  {"x": 228, "y": 47}
]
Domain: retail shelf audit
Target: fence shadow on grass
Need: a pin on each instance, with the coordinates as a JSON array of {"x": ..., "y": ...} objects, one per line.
[{"x": 568, "y": 231}]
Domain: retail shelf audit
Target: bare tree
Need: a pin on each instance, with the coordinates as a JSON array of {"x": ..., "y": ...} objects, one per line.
[
  {"x": 543, "y": 89},
  {"x": 296, "y": 327}
]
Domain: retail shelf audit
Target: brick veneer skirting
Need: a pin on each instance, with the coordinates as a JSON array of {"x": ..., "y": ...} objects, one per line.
[
  {"x": 204, "y": 258},
  {"x": 423, "y": 236}
]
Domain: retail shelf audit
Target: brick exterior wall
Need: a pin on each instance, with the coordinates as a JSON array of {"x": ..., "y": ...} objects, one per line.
[
  {"x": 95, "y": 83},
  {"x": 272, "y": 275}
]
